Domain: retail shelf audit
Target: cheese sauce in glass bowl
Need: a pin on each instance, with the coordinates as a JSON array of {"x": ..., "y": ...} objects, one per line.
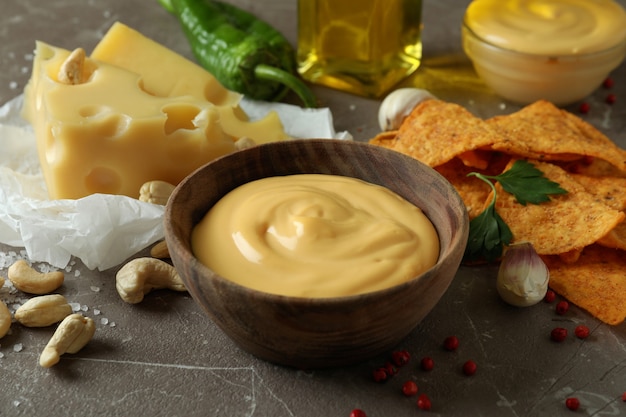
[{"x": 557, "y": 50}]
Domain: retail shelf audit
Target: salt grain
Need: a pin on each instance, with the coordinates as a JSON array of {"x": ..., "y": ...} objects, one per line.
[
  {"x": 104, "y": 321},
  {"x": 18, "y": 347},
  {"x": 96, "y": 312},
  {"x": 46, "y": 268},
  {"x": 95, "y": 289},
  {"x": 75, "y": 306}
]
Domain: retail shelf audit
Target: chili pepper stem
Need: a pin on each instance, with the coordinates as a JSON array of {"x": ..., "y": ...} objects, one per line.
[{"x": 266, "y": 72}]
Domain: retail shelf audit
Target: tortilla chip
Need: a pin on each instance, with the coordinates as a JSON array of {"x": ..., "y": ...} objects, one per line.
[
  {"x": 473, "y": 191},
  {"x": 568, "y": 222},
  {"x": 593, "y": 167},
  {"x": 596, "y": 282},
  {"x": 616, "y": 238},
  {"x": 611, "y": 190},
  {"x": 575, "y": 233},
  {"x": 385, "y": 139},
  {"x": 478, "y": 159},
  {"x": 543, "y": 131},
  {"x": 571, "y": 256},
  {"x": 436, "y": 131}
]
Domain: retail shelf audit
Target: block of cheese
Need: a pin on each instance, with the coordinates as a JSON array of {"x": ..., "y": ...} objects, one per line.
[
  {"x": 100, "y": 132},
  {"x": 132, "y": 112},
  {"x": 165, "y": 73}
]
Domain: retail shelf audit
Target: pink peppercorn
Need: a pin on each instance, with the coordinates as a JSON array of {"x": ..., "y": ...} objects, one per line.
[
  {"x": 550, "y": 296},
  {"x": 427, "y": 363},
  {"x": 357, "y": 413},
  {"x": 611, "y": 98},
  {"x": 562, "y": 307},
  {"x": 380, "y": 375},
  {"x": 390, "y": 368},
  {"x": 451, "y": 343},
  {"x": 581, "y": 331},
  {"x": 400, "y": 357},
  {"x": 584, "y": 108},
  {"x": 423, "y": 402},
  {"x": 624, "y": 396},
  {"x": 409, "y": 388},
  {"x": 558, "y": 334},
  {"x": 572, "y": 403},
  {"x": 608, "y": 83},
  {"x": 469, "y": 368}
]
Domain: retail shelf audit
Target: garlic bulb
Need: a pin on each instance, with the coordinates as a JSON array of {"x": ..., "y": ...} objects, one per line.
[
  {"x": 523, "y": 276},
  {"x": 399, "y": 104}
]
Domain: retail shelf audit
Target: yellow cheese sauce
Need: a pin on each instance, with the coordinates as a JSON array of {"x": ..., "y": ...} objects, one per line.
[
  {"x": 548, "y": 27},
  {"x": 314, "y": 235}
]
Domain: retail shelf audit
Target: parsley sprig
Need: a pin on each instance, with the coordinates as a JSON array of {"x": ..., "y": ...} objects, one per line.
[{"x": 488, "y": 231}]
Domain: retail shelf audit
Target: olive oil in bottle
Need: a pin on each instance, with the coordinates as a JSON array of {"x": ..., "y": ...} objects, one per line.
[{"x": 360, "y": 46}]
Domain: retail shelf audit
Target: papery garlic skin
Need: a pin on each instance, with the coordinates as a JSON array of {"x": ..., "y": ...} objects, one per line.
[
  {"x": 398, "y": 105},
  {"x": 523, "y": 276}
]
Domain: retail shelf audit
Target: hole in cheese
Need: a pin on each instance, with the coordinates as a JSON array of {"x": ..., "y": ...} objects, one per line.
[
  {"x": 91, "y": 111},
  {"x": 111, "y": 126},
  {"x": 103, "y": 180},
  {"x": 180, "y": 116}
]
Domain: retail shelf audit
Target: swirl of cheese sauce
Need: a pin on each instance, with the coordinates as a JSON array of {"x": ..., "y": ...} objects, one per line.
[
  {"x": 548, "y": 27},
  {"x": 314, "y": 235}
]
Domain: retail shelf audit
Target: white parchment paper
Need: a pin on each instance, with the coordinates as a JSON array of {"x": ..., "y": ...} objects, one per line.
[{"x": 102, "y": 230}]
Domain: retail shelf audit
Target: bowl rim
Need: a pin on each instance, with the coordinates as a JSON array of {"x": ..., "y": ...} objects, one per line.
[
  {"x": 467, "y": 29},
  {"x": 459, "y": 239}
]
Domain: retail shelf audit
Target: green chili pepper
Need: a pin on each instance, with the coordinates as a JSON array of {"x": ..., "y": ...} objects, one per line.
[{"x": 245, "y": 54}]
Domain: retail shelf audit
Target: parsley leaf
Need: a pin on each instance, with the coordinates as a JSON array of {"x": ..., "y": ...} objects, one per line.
[
  {"x": 527, "y": 183},
  {"x": 488, "y": 231},
  {"x": 488, "y": 234}
]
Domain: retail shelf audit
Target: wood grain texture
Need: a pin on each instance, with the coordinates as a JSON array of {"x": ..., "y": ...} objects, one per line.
[{"x": 314, "y": 333}]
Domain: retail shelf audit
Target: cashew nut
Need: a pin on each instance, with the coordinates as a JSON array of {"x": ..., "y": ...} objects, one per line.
[
  {"x": 5, "y": 319},
  {"x": 71, "y": 336},
  {"x": 71, "y": 71},
  {"x": 156, "y": 192},
  {"x": 26, "y": 279},
  {"x": 142, "y": 275},
  {"x": 43, "y": 311},
  {"x": 160, "y": 250}
]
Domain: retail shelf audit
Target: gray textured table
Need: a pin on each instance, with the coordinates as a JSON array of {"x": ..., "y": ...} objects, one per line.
[{"x": 163, "y": 357}]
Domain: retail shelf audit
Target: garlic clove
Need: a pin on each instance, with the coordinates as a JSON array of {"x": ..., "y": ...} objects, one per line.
[
  {"x": 399, "y": 104},
  {"x": 523, "y": 276}
]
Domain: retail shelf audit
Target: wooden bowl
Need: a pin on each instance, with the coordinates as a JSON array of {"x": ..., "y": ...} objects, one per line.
[{"x": 317, "y": 332}]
